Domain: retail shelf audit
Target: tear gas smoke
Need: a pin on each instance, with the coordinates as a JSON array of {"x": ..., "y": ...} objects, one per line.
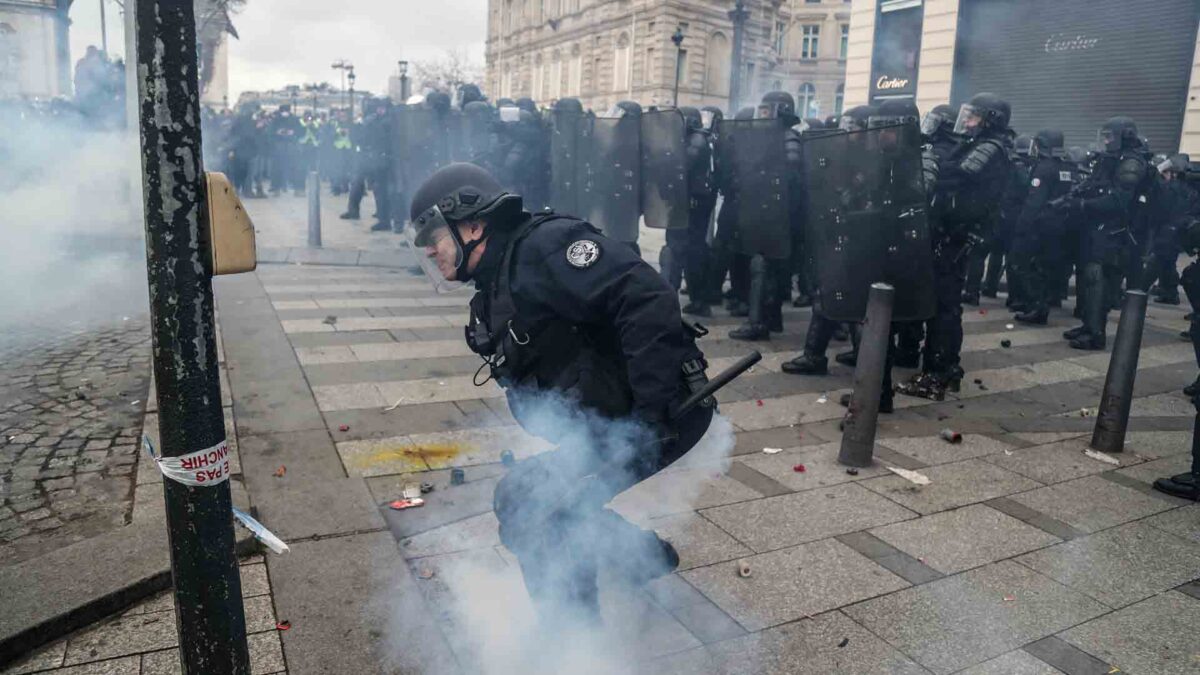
[
  {"x": 483, "y": 605},
  {"x": 73, "y": 255}
]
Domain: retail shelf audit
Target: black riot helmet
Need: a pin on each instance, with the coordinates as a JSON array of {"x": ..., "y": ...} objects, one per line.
[
  {"x": 940, "y": 119},
  {"x": 1049, "y": 143},
  {"x": 456, "y": 193},
  {"x": 856, "y": 118},
  {"x": 623, "y": 108},
  {"x": 894, "y": 111},
  {"x": 439, "y": 101},
  {"x": 525, "y": 103},
  {"x": 692, "y": 120},
  {"x": 569, "y": 105},
  {"x": 711, "y": 116},
  {"x": 778, "y": 105},
  {"x": 984, "y": 112},
  {"x": 1023, "y": 146},
  {"x": 468, "y": 94},
  {"x": 1077, "y": 154},
  {"x": 746, "y": 113},
  {"x": 504, "y": 103},
  {"x": 477, "y": 109},
  {"x": 1117, "y": 134},
  {"x": 1177, "y": 164}
]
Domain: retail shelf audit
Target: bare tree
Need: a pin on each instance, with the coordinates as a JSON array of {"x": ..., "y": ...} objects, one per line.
[
  {"x": 445, "y": 73},
  {"x": 214, "y": 18}
]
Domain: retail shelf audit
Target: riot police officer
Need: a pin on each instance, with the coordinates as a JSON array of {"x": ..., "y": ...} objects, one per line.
[
  {"x": 770, "y": 278},
  {"x": 587, "y": 341},
  {"x": 987, "y": 262},
  {"x": 697, "y": 259},
  {"x": 1039, "y": 232},
  {"x": 972, "y": 169},
  {"x": 1113, "y": 200},
  {"x": 726, "y": 247},
  {"x": 1178, "y": 205}
]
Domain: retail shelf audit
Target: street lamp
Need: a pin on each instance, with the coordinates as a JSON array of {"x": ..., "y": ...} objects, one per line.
[
  {"x": 351, "y": 78},
  {"x": 677, "y": 38},
  {"x": 738, "y": 15},
  {"x": 342, "y": 65},
  {"x": 403, "y": 80}
]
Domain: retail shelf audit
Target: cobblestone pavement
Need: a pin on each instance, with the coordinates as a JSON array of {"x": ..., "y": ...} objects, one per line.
[
  {"x": 70, "y": 417},
  {"x": 143, "y": 640}
]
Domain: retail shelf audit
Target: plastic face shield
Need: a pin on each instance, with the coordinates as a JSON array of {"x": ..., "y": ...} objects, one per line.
[
  {"x": 848, "y": 124},
  {"x": 970, "y": 121},
  {"x": 931, "y": 122},
  {"x": 510, "y": 114},
  {"x": 432, "y": 231},
  {"x": 1109, "y": 140},
  {"x": 615, "y": 111},
  {"x": 707, "y": 118}
]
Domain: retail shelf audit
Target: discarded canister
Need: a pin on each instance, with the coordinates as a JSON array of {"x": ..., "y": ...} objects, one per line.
[
  {"x": 507, "y": 459},
  {"x": 457, "y": 477},
  {"x": 951, "y": 436}
]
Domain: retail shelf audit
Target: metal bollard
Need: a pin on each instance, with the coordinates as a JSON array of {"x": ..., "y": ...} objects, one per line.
[
  {"x": 1113, "y": 416},
  {"x": 312, "y": 187},
  {"x": 858, "y": 430}
]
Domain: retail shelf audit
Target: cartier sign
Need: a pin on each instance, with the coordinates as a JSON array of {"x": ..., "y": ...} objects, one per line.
[
  {"x": 885, "y": 83},
  {"x": 1061, "y": 42}
]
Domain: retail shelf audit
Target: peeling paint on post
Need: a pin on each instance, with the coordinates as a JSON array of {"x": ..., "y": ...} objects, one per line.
[{"x": 208, "y": 592}]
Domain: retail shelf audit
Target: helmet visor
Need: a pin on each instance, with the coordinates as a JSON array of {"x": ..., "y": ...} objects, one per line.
[
  {"x": 707, "y": 118},
  {"x": 437, "y": 250},
  {"x": 931, "y": 123},
  {"x": 847, "y": 123},
  {"x": 970, "y": 120},
  {"x": 1109, "y": 140}
]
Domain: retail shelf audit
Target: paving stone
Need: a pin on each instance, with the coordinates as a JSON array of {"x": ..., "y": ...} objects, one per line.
[
  {"x": 707, "y": 622},
  {"x": 121, "y": 636},
  {"x": 697, "y": 540},
  {"x": 1148, "y": 472},
  {"x": 1091, "y": 504},
  {"x": 680, "y": 491},
  {"x": 476, "y": 532},
  {"x": 254, "y": 580},
  {"x": 793, "y": 583},
  {"x": 807, "y": 647},
  {"x": 821, "y": 468},
  {"x": 951, "y": 486},
  {"x": 1157, "y": 636},
  {"x": 779, "y": 522},
  {"x": 1065, "y": 657},
  {"x": 1162, "y": 405},
  {"x": 43, "y": 658},
  {"x": 266, "y": 653},
  {"x": 419, "y": 452},
  {"x": 128, "y": 665},
  {"x": 1152, "y": 444},
  {"x": 1057, "y": 462},
  {"x": 957, "y": 540},
  {"x": 1122, "y": 565},
  {"x": 1184, "y": 522},
  {"x": 1013, "y": 663},
  {"x": 971, "y": 617},
  {"x": 933, "y": 450},
  {"x": 165, "y": 662},
  {"x": 260, "y": 614}
]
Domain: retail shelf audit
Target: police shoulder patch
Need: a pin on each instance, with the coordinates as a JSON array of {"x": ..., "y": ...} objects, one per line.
[
  {"x": 583, "y": 253},
  {"x": 1037, "y": 182}
]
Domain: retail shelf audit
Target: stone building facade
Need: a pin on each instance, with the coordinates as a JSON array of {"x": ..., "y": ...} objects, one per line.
[
  {"x": 34, "y": 49},
  {"x": 604, "y": 51}
]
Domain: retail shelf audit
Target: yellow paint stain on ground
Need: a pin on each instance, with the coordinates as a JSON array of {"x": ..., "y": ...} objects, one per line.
[{"x": 411, "y": 457}]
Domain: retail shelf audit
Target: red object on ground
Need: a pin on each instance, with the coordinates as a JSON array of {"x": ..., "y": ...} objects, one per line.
[
  {"x": 401, "y": 504},
  {"x": 279, "y": 473},
  {"x": 760, "y": 402},
  {"x": 983, "y": 312},
  {"x": 799, "y": 468},
  {"x": 344, "y": 427},
  {"x": 283, "y": 625}
]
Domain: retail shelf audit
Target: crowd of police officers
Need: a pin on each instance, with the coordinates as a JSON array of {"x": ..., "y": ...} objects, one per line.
[{"x": 752, "y": 200}]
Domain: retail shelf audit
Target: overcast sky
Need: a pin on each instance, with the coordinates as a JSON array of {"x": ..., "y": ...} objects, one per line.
[{"x": 294, "y": 41}]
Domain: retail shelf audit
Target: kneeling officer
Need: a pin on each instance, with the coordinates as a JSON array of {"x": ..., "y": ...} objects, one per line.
[{"x": 587, "y": 341}]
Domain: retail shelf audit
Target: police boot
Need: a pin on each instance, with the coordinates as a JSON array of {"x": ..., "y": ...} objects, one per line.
[
  {"x": 381, "y": 227},
  {"x": 756, "y": 328},
  {"x": 696, "y": 308},
  {"x": 970, "y": 299},
  {"x": 1037, "y": 317},
  {"x": 1075, "y": 332},
  {"x": 349, "y": 215},
  {"x": 1167, "y": 298},
  {"x": 1089, "y": 342},
  {"x": 751, "y": 332},
  {"x": 1192, "y": 389},
  {"x": 806, "y": 364},
  {"x": 1184, "y": 486},
  {"x": 849, "y": 359}
]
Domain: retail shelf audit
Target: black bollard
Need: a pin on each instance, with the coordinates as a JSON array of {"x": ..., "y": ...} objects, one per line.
[
  {"x": 312, "y": 187},
  {"x": 858, "y": 429},
  {"x": 1113, "y": 416}
]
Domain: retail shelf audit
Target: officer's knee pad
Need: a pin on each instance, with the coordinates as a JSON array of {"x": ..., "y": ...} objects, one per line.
[{"x": 1093, "y": 273}]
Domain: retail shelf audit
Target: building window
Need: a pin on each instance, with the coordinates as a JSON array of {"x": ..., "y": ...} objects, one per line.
[
  {"x": 535, "y": 89},
  {"x": 845, "y": 46},
  {"x": 716, "y": 72},
  {"x": 780, "y": 31},
  {"x": 556, "y": 75},
  {"x": 681, "y": 67},
  {"x": 839, "y": 100},
  {"x": 806, "y": 104},
  {"x": 621, "y": 64},
  {"x": 648, "y": 68},
  {"x": 575, "y": 73},
  {"x": 810, "y": 40}
]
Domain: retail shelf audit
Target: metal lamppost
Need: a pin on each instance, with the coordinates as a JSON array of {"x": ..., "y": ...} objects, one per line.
[
  {"x": 351, "y": 78},
  {"x": 677, "y": 38},
  {"x": 403, "y": 80},
  {"x": 738, "y": 15},
  {"x": 343, "y": 66}
]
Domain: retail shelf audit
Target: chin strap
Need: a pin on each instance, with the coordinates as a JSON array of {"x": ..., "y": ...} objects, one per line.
[{"x": 462, "y": 273}]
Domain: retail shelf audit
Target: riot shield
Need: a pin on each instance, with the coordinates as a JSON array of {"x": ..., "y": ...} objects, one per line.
[
  {"x": 664, "y": 169},
  {"x": 423, "y": 145},
  {"x": 566, "y": 129},
  {"x": 866, "y": 221},
  {"x": 609, "y": 180},
  {"x": 752, "y": 155},
  {"x": 471, "y": 134}
]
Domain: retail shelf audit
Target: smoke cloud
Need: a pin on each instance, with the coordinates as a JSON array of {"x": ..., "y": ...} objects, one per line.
[{"x": 73, "y": 254}]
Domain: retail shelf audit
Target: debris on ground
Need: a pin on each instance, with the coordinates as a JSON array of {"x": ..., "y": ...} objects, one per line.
[
  {"x": 1107, "y": 459},
  {"x": 506, "y": 458},
  {"x": 343, "y": 427},
  {"x": 1009, "y": 326},
  {"x": 950, "y": 436},
  {"x": 281, "y": 471},
  {"x": 426, "y": 488},
  {"x": 824, "y": 398},
  {"x": 852, "y": 471},
  {"x": 1008, "y": 452},
  {"x": 942, "y": 416},
  {"x": 457, "y": 477},
  {"x": 136, "y": 402},
  {"x": 912, "y": 476},
  {"x": 843, "y": 643},
  {"x": 394, "y": 405},
  {"x": 411, "y": 491},
  {"x": 743, "y": 569},
  {"x": 772, "y": 451},
  {"x": 1006, "y": 343},
  {"x": 1086, "y": 412},
  {"x": 426, "y": 573},
  {"x": 759, "y": 402},
  {"x": 401, "y": 504},
  {"x": 983, "y": 312},
  {"x": 1010, "y": 598},
  {"x": 283, "y": 625},
  {"x": 799, "y": 468},
  {"x": 260, "y": 532},
  {"x": 329, "y": 320}
]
